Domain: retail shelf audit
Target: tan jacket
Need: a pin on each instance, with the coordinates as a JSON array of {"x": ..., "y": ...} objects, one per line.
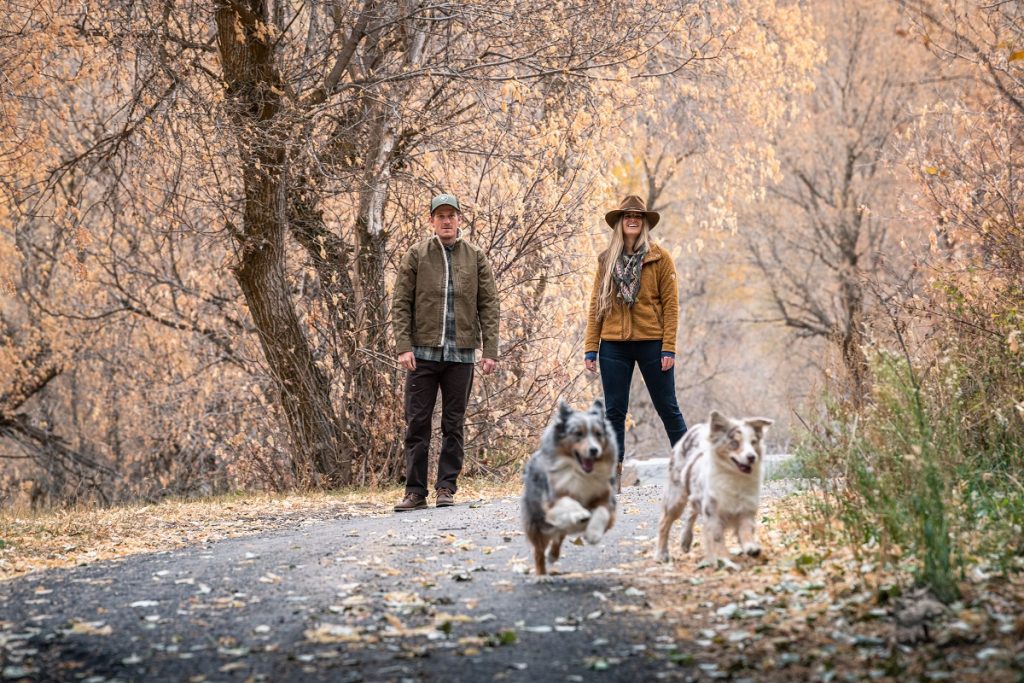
[
  {"x": 655, "y": 315},
  {"x": 418, "y": 304}
]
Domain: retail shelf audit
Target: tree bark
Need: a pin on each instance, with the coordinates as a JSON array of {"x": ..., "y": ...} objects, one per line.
[{"x": 254, "y": 94}]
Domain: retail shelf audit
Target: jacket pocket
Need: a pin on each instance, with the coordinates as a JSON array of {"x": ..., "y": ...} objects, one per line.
[{"x": 427, "y": 317}]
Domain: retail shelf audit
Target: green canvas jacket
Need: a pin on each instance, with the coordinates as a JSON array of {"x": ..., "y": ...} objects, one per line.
[{"x": 418, "y": 304}]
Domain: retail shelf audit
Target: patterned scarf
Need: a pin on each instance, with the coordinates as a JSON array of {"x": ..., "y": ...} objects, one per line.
[{"x": 627, "y": 275}]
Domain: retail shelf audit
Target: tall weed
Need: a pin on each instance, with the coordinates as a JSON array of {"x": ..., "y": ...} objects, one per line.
[{"x": 928, "y": 473}]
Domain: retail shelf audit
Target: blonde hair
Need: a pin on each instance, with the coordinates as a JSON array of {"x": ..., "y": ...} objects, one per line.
[{"x": 616, "y": 245}]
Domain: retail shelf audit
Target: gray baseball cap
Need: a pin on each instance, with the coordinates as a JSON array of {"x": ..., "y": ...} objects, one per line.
[{"x": 444, "y": 199}]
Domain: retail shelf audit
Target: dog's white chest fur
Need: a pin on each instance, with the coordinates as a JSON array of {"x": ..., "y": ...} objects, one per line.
[
  {"x": 565, "y": 477},
  {"x": 730, "y": 492}
]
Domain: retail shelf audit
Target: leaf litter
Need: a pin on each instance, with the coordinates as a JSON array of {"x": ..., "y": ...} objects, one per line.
[{"x": 805, "y": 613}]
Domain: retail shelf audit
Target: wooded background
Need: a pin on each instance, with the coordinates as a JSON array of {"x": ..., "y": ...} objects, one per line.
[{"x": 204, "y": 203}]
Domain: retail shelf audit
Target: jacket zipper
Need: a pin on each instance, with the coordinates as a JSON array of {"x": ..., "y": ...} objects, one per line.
[{"x": 444, "y": 300}]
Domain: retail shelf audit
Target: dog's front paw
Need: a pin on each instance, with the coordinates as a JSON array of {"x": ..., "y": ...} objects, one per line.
[
  {"x": 661, "y": 555},
  {"x": 598, "y": 525},
  {"x": 566, "y": 514},
  {"x": 543, "y": 578},
  {"x": 752, "y": 549},
  {"x": 579, "y": 516}
]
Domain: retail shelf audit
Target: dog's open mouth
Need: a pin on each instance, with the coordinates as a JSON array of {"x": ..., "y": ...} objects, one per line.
[
  {"x": 586, "y": 463},
  {"x": 745, "y": 469}
]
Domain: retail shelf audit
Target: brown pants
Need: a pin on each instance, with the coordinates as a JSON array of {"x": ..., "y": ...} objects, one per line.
[{"x": 421, "y": 385}]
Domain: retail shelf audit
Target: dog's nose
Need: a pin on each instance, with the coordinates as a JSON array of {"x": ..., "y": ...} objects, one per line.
[
  {"x": 594, "y": 450},
  {"x": 751, "y": 458}
]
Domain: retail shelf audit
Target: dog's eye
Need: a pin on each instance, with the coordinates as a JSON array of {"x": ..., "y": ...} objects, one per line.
[
  {"x": 579, "y": 433},
  {"x": 734, "y": 444}
]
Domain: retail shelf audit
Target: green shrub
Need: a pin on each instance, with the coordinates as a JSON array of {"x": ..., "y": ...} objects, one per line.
[{"x": 929, "y": 472}]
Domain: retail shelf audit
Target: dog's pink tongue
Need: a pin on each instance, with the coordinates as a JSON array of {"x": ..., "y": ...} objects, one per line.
[{"x": 588, "y": 465}]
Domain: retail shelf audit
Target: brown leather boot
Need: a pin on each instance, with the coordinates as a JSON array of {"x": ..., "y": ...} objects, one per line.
[
  {"x": 412, "y": 501},
  {"x": 618, "y": 477},
  {"x": 445, "y": 498}
]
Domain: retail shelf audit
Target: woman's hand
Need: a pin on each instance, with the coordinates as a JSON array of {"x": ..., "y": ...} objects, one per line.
[
  {"x": 667, "y": 363},
  {"x": 590, "y": 365}
]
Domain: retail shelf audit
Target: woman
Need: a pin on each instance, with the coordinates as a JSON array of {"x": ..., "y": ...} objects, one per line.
[{"x": 634, "y": 311}]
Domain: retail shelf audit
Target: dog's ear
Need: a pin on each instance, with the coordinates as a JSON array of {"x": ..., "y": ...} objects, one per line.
[
  {"x": 759, "y": 424},
  {"x": 564, "y": 411},
  {"x": 718, "y": 422},
  {"x": 597, "y": 407},
  {"x": 562, "y": 415}
]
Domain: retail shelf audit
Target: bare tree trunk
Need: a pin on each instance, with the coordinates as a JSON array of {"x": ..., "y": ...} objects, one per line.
[
  {"x": 254, "y": 89},
  {"x": 851, "y": 338},
  {"x": 367, "y": 384}
]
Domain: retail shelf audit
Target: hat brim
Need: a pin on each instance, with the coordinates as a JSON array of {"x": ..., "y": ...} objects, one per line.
[
  {"x": 454, "y": 206},
  {"x": 612, "y": 217}
]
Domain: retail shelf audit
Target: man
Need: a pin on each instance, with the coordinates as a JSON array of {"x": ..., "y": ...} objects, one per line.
[{"x": 445, "y": 302}]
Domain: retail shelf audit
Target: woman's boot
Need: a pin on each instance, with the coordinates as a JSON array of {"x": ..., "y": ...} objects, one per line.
[{"x": 618, "y": 477}]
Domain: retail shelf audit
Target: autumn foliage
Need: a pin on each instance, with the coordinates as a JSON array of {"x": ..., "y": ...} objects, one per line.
[
  {"x": 929, "y": 469},
  {"x": 204, "y": 204}
]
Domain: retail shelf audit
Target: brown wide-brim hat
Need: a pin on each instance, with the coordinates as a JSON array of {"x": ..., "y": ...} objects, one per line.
[{"x": 632, "y": 203}]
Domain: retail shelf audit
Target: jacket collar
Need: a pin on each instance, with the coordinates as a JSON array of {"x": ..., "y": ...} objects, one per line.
[
  {"x": 653, "y": 254},
  {"x": 458, "y": 238}
]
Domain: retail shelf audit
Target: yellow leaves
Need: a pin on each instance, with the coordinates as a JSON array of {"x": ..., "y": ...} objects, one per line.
[
  {"x": 91, "y": 628},
  {"x": 930, "y": 170},
  {"x": 239, "y": 33},
  {"x": 333, "y": 633},
  {"x": 1015, "y": 56},
  {"x": 1013, "y": 341},
  {"x": 443, "y": 620}
]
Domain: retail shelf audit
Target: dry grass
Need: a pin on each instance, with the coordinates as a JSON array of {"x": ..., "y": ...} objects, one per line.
[{"x": 31, "y": 541}]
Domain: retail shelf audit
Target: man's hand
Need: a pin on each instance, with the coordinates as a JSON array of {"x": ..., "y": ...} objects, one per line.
[
  {"x": 488, "y": 365},
  {"x": 407, "y": 360},
  {"x": 667, "y": 362},
  {"x": 590, "y": 365}
]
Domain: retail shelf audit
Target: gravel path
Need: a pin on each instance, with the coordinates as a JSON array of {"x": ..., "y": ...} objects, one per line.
[{"x": 423, "y": 596}]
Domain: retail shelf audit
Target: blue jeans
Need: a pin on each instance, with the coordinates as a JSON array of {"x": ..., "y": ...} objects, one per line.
[{"x": 617, "y": 360}]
